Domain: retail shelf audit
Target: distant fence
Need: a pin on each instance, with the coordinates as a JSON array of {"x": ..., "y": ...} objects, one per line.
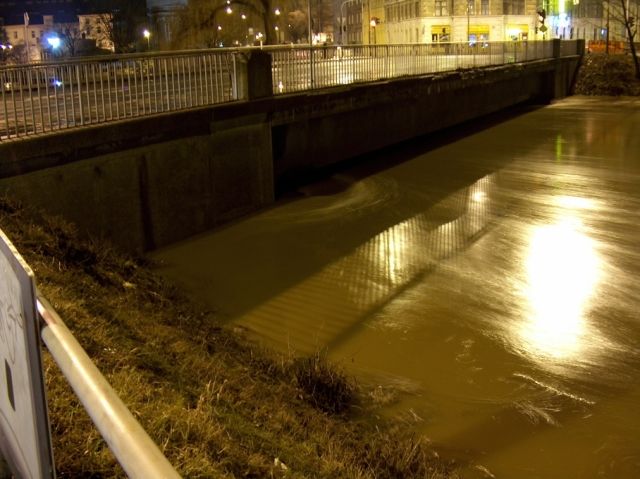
[{"x": 53, "y": 96}]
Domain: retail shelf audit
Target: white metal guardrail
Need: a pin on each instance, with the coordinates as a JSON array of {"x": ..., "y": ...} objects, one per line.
[
  {"x": 133, "y": 448},
  {"x": 26, "y": 318},
  {"x": 47, "y": 97}
]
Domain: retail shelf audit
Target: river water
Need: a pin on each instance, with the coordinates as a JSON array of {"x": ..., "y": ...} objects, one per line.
[{"x": 490, "y": 278}]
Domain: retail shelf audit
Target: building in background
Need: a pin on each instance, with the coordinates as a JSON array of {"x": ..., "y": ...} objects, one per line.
[
  {"x": 433, "y": 21},
  {"x": 348, "y": 23},
  {"x": 42, "y": 37},
  {"x": 82, "y": 27}
]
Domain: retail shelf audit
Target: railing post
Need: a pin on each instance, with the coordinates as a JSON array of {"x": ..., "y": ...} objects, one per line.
[
  {"x": 79, "y": 95},
  {"x": 387, "y": 73},
  {"x": 556, "y": 48},
  {"x": 234, "y": 83},
  {"x": 253, "y": 75},
  {"x": 311, "y": 67}
]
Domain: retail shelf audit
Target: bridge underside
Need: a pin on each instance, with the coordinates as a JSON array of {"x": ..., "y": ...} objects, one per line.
[{"x": 149, "y": 182}]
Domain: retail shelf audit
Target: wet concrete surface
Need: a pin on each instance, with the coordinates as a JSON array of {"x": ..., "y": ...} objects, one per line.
[{"x": 488, "y": 274}]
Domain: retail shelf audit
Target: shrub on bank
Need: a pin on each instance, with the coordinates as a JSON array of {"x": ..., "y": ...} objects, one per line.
[{"x": 608, "y": 75}]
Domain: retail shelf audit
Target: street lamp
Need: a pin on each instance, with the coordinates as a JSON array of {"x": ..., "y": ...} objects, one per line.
[
  {"x": 374, "y": 23},
  {"x": 468, "y": 18},
  {"x": 309, "y": 22},
  {"x": 147, "y": 34},
  {"x": 54, "y": 42}
]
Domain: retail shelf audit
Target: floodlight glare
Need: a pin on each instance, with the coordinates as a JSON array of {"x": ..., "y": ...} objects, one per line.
[{"x": 54, "y": 42}]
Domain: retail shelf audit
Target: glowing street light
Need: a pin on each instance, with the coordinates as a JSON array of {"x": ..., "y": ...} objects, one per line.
[
  {"x": 147, "y": 34},
  {"x": 229, "y": 11},
  {"x": 277, "y": 11},
  {"x": 243, "y": 16},
  {"x": 54, "y": 42}
]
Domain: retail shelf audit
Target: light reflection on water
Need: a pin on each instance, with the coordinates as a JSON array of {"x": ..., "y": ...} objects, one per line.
[
  {"x": 329, "y": 307},
  {"x": 563, "y": 270}
]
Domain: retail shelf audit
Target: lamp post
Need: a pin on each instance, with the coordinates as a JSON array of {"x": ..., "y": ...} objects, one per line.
[
  {"x": 147, "y": 34},
  {"x": 309, "y": 22},
  {"x": 374, "y": 24},
  {"x": 277, "y": 27},
  {"x": 468, "y": 18}
]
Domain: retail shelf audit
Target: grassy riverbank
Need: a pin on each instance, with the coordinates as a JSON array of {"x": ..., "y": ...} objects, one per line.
[
  {"x": 217, "y": 405},
  {"x": 609, "y": 75}
]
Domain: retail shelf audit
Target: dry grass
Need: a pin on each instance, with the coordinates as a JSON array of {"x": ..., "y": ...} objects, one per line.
[{"x": 217, "y": 405}]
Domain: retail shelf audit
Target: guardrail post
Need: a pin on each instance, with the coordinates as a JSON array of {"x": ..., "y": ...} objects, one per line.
[{"x": 311, "y": 67}]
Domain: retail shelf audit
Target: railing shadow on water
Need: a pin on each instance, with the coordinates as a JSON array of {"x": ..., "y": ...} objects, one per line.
[{"x": 51, "y": 96}]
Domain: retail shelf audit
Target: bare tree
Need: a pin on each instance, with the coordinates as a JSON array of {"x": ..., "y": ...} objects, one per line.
[
  {"x": 122, "y": 22},
  {"x": 70, "y": 35},
  {"x": 210, "y": 23},
  {"x": 631, "y": 27},
  {"x": 9, "y": 53}
]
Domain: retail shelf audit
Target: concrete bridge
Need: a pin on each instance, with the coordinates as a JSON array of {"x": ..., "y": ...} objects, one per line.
[{"x": 153, "y": 179}]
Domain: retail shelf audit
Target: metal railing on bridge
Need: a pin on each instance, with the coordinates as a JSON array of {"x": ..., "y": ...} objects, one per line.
[
  {"x": 47, "y": 97},
  {"x": 303, "y": 68}
]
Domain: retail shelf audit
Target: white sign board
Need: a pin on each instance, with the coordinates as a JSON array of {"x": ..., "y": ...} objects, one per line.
[{"x": 25, "y": 438}]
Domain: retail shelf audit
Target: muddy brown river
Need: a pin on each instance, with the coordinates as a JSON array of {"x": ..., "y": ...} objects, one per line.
[{"x": 488, "y": 276}]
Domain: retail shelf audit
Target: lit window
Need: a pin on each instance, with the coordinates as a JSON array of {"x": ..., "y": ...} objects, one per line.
[{"x": 442, "y": 8}]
